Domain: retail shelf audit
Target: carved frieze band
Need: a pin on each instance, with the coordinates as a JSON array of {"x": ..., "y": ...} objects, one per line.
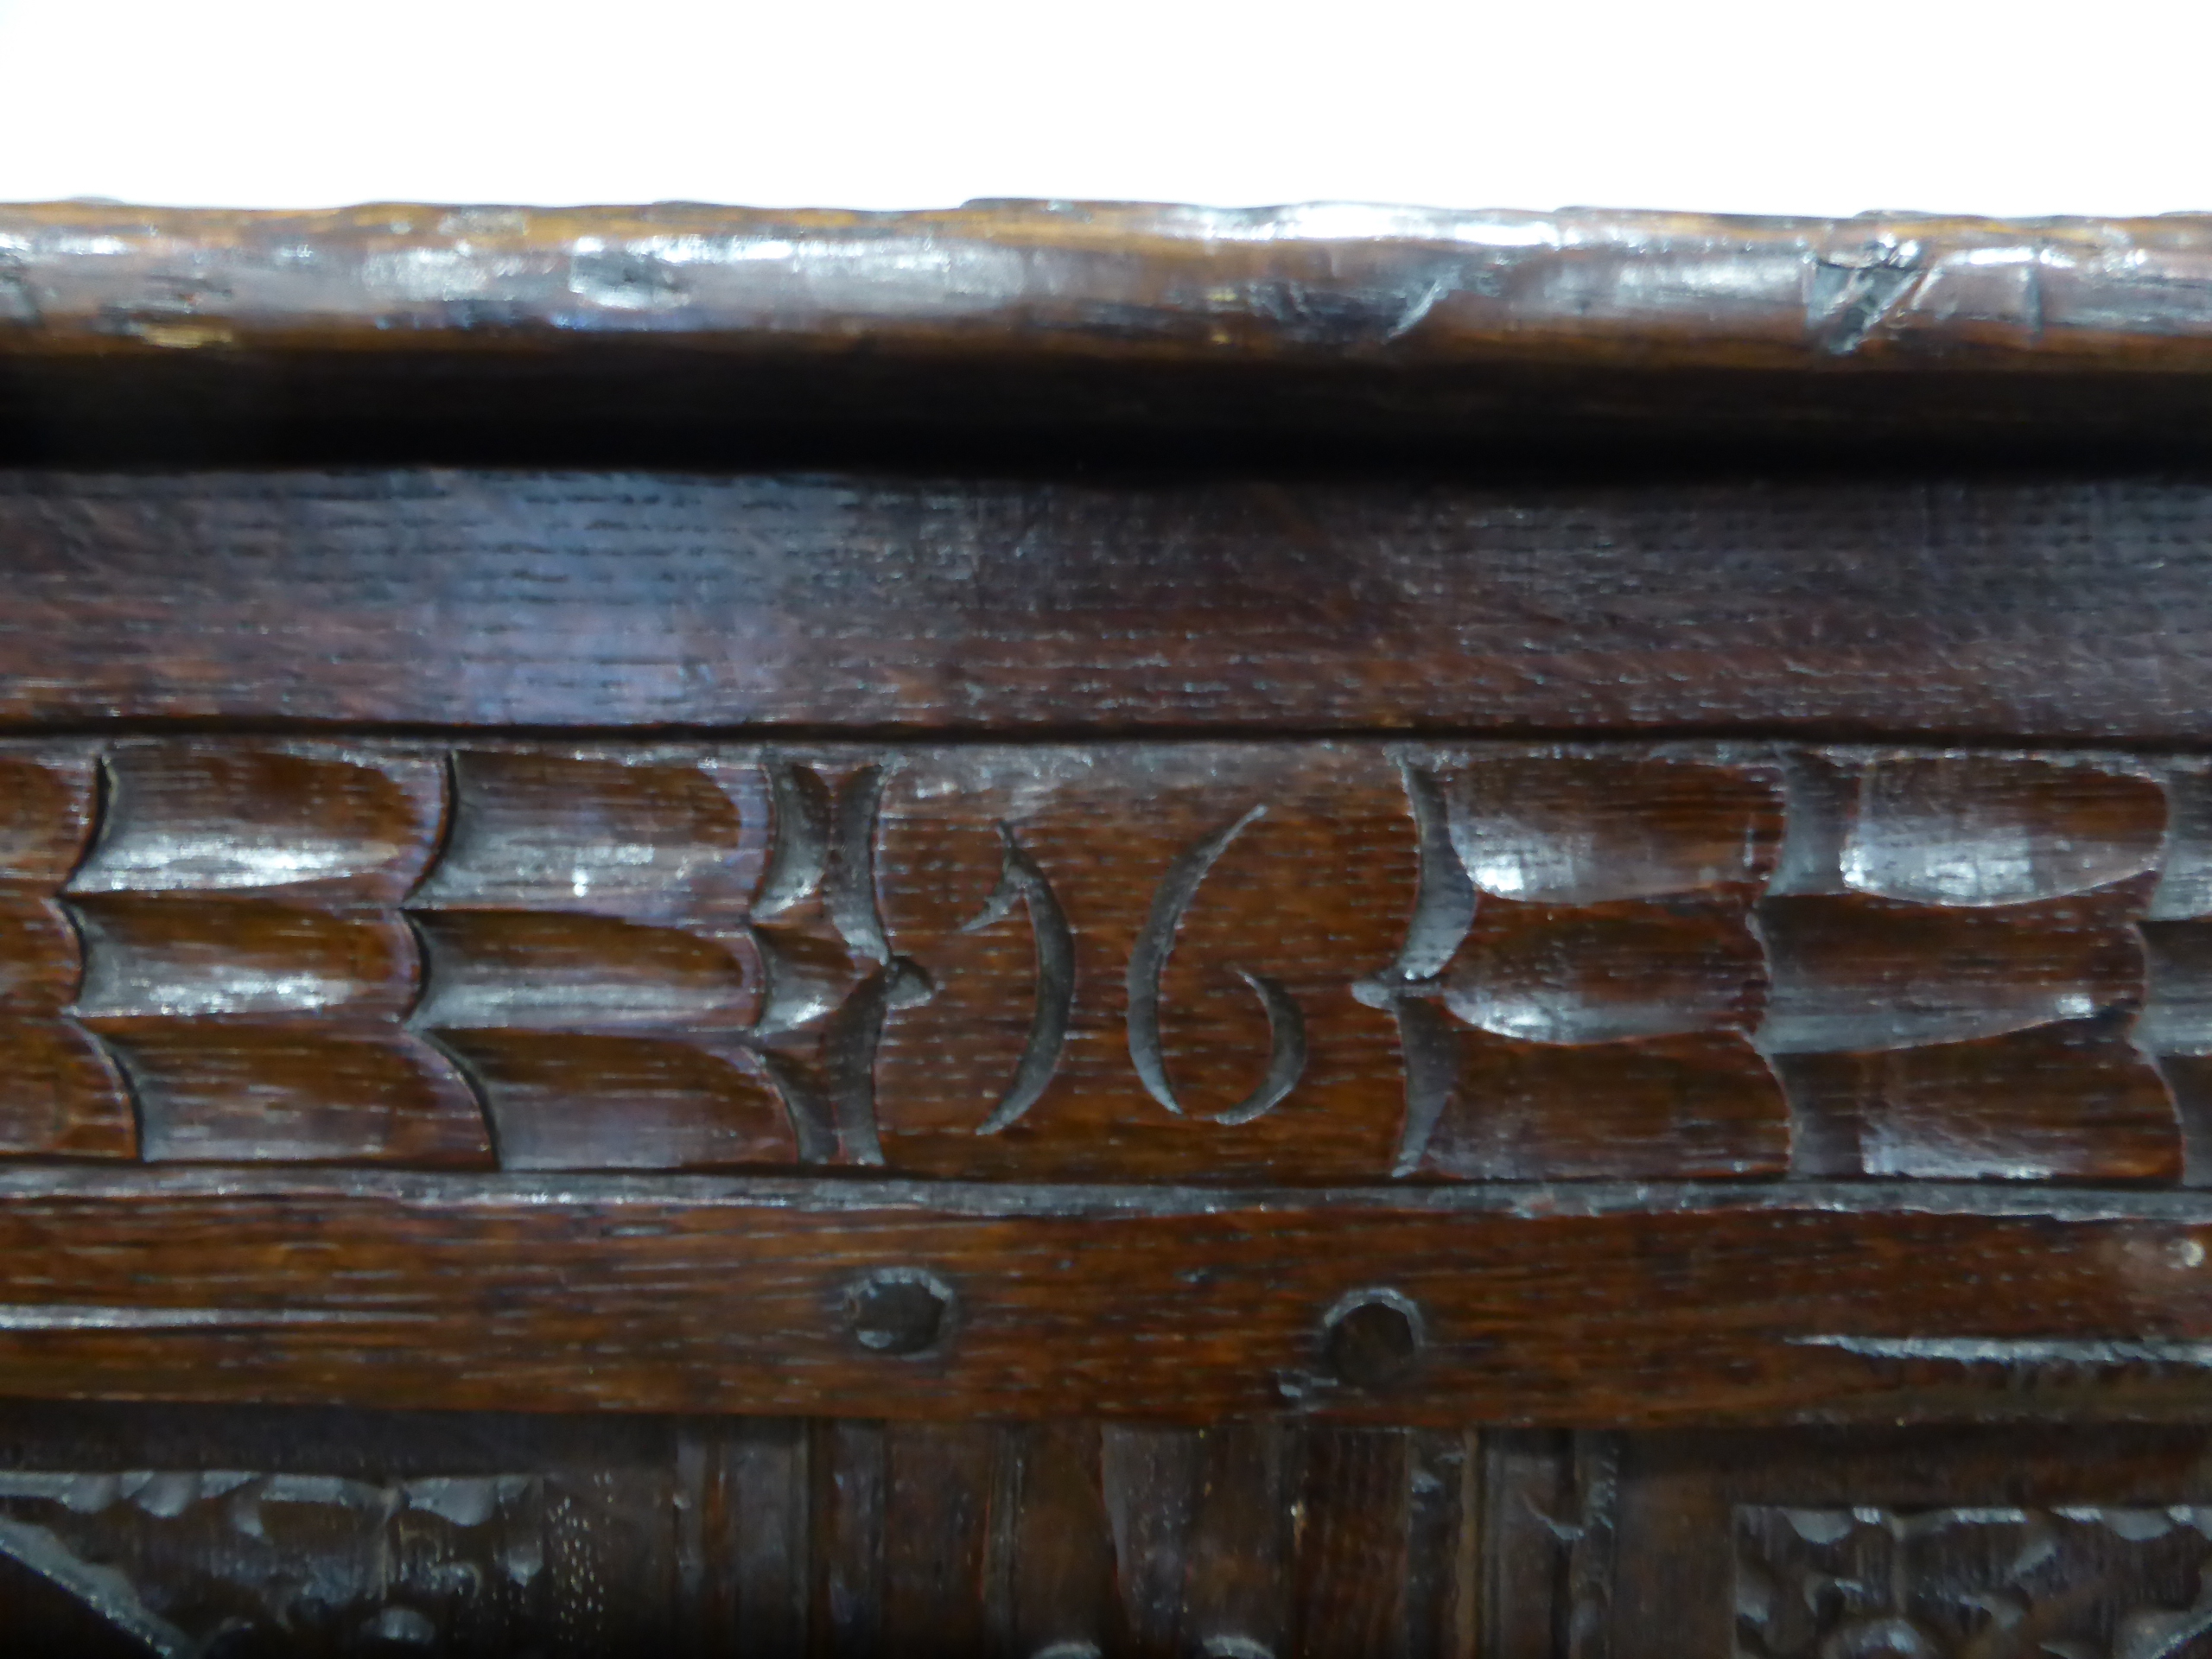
[{"x": 1267, "y": 961}]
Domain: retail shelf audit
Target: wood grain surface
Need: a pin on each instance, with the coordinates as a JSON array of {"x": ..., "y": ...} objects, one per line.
[
  {"x": 1116, "y": 929},
  {"x": 1611, "y": 1304},
  {"x": 1998, "y": 610}
]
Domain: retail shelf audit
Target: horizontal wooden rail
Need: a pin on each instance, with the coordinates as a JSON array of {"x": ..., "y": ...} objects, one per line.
[{"x": 1606, "y": 1305}]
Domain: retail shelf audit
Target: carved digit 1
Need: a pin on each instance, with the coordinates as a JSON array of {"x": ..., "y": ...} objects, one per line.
[
  {"x": 1286, "y": 1024},
  {"x": 1021, "y": 881}
]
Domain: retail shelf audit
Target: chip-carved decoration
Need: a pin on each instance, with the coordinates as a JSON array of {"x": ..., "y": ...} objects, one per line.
[
  {"x": 321, "y": 1563},
  {"x": 1957, "y": 967},
  {"x": 246, "y": 961},
  {"x": 1281, "y": 962},
  {"x": 591, "y": 964},
  {"x": 2087, "y": 1582},
  {"x": 1604, "y": 955},
  {"x": 63, "y": 1095}
]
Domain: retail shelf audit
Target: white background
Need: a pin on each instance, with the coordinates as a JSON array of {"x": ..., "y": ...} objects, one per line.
[{"x": 2022, "y": 108}]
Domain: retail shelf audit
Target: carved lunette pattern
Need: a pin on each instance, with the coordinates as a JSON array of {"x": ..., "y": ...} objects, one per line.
[
  {"x": 2092, "y": 1582},
  {"x": 1492, "y": 961}
]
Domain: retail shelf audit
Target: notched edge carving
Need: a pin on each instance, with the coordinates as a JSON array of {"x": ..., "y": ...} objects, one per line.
[{"x": 1443, "y": 913}]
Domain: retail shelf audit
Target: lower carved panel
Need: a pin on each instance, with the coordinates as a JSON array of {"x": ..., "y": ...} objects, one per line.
[
  {"x": 2083, "y": 1582},
  {"x": 1966, "y": 1542},
  {"x": 189, "y": 1562},
  {"x": 236, "y": 1534},
  {"x": 770, "y": 1538}
]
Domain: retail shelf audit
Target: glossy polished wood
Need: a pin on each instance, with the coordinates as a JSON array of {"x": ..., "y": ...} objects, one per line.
[
  {"x": 1189, "y": 962},
  {"x": 1008, "y": 328},
  {"x": 1322, "y": 931},
  {"x": 1125, "y": 280},
  {"x": 1604, "y": 1303}
]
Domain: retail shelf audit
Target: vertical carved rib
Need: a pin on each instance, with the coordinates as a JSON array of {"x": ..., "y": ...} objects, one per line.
[
  {"x": 806, "y": 1105},
  {"x": 1430, "y": 1050},
  {"x": 1444, "y": 900},
  {"x": 849, "y": 884},
  {"x": 1444, "y": 910},
  {"x": 64, "y": 1094},
  {"x": 818, "y": 1031},
  {"x": 2176, "y": 1027},
  {"x": 1148, "y": 960},
  {"x": 1597, "y": 1467},
  {"x": 1021, "y": 882},
  {"x": 849, "y": 1045},
  {"x": 800, "y": 857}
]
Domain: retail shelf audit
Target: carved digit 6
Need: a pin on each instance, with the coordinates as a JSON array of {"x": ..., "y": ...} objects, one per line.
[{"x": 1286, "y": 1024}]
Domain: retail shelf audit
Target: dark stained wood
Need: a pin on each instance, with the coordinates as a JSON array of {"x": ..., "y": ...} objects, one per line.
[
  {"x": 1119, "y": 930},
  {"x": 1613, "y": 1304},
  {"x": 1216, "y": 962},
  {"x": 1120, "y": 280},
  {"x": 497, "y": 1534},
  {"x": 2058, "y": 606},
  {"x": 2034, "y": 1542},
  {"x": 1004, "y": 329},
  {"x": 318, "y": 1533}
]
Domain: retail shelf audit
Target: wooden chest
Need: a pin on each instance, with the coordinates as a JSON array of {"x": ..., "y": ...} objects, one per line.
[{"x": 1063, "y": 930}]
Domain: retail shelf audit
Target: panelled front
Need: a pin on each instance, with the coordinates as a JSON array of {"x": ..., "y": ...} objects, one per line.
[
  {"x": 1089, "y": 1032},
  {"x": 314, "y": 1533}
]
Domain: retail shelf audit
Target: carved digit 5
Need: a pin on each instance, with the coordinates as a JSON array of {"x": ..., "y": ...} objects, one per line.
[
  {"x": 1286, "y": 1024},
  {"x": 1020, "y": 881}
]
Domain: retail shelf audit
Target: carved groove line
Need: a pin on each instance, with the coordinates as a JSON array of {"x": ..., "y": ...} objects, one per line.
[
  {"x": 103, "y": 783},
  {"x": 440, "y": 846},
  {"x": 1021, "y": 882}
]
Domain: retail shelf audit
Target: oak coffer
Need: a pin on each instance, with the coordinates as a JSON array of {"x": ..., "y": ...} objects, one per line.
[{"x": 1066, "y": 929}]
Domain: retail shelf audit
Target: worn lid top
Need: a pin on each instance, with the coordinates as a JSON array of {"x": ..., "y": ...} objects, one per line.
[{"x": 1320, "y": 280}]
